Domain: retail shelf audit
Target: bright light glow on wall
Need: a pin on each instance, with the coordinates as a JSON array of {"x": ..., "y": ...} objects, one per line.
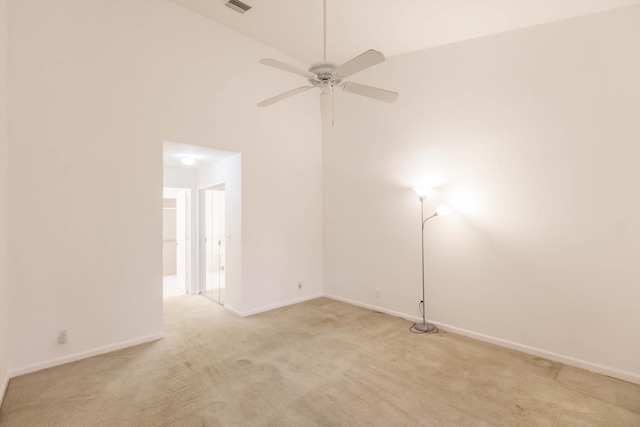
[
  {"x": 429, "y": 181},
  {"x": 422, "y": 192},
  {"x": 464, "y": 201}
]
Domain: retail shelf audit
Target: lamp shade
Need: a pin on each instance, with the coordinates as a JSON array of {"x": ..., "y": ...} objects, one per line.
[
  {"x": 443, "y": 210},
  {"x": 422, "y": 192}
]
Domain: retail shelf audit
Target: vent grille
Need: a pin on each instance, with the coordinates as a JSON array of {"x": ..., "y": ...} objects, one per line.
[{"x": 238, "y": 6}]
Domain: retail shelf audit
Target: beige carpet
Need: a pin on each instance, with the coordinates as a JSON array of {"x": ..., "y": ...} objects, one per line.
[{"x": 319, "y": 363}]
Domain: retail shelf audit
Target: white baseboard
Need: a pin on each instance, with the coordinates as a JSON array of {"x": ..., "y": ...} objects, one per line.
[
  {"x": 83, "y": 355},
  {"x": 233, "y": 310},
  {"x": 4, "y": 383},
  {"x": 373, "y": 307},
  {"x": 278, "y": 305},
  {"x": 567, "y": 360}
]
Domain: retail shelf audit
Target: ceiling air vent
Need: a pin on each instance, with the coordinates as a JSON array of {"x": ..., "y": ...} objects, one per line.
[{"x": 238, "y": 6}]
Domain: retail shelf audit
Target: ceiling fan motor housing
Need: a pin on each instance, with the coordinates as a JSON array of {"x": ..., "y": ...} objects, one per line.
[{"x": 326, "y": 75}]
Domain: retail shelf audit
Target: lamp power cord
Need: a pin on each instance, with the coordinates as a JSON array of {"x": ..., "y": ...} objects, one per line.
[{"x": 429, "y": 330}]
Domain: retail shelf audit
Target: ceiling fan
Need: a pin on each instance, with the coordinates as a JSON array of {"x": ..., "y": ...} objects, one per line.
[{"x": 328, "y": 76}]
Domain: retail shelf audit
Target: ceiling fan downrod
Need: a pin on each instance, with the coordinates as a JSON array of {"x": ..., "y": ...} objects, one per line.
[{"x": 324, "y": 29}]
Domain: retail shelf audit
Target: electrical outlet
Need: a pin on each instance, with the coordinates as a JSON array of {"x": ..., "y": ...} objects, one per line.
[
  {"x": 62, "y": 336},
  {"x": 377, "y": 293},
  {"x": 300, "y": 284}
]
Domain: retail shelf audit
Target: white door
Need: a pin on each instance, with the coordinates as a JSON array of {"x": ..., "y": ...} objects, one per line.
[{"x": 213, "y": 223}]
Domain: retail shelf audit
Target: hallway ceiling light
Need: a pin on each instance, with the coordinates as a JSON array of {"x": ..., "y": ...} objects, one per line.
[{"x": 188, "y": 161}]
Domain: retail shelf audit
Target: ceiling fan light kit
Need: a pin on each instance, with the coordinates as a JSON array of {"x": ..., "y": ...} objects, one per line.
[{"x": 327, "y": 76}]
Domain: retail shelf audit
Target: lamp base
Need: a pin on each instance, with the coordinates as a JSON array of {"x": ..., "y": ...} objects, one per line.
[{"x": 426, "y": 328}]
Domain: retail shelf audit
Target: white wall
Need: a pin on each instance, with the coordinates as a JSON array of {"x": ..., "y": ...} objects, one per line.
[
  {"x": 176, "y": 177},
  {"x": 282, "y": 214},
  {"x": 4, "y": 146},
  {"x": 533, "y": 137},
  {"x": 96, "y": 86}
]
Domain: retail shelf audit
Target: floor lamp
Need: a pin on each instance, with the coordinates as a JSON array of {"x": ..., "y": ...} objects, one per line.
[{"x": 425, "y": 327}]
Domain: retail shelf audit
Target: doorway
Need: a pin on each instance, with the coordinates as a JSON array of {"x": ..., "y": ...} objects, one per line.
[{"x": 213, "y": 242}]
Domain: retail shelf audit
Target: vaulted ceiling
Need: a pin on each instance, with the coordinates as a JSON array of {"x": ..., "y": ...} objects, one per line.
[{"x": 391, "y": 26}]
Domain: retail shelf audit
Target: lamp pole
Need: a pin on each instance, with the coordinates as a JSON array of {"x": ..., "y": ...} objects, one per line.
[{"x": 424, "y": 327}]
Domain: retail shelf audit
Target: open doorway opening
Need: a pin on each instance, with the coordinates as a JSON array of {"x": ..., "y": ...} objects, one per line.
[
  {"x": 212, "y": 228},
  {"x": 176, "y": 241},
  {"x": 212, "y": 180}
]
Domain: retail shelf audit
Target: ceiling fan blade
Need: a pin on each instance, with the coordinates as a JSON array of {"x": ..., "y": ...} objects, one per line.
[
  {"x": 283, "y": 96},
  {"x": 326, "y": 107},
  {"x": 371, "y": 92},
  {"x": 360, "y": 62},
  {"x": 286, "y": 67}
]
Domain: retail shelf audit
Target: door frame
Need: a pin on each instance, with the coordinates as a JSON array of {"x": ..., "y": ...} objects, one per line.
[{"x": 183, "y": 239}]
